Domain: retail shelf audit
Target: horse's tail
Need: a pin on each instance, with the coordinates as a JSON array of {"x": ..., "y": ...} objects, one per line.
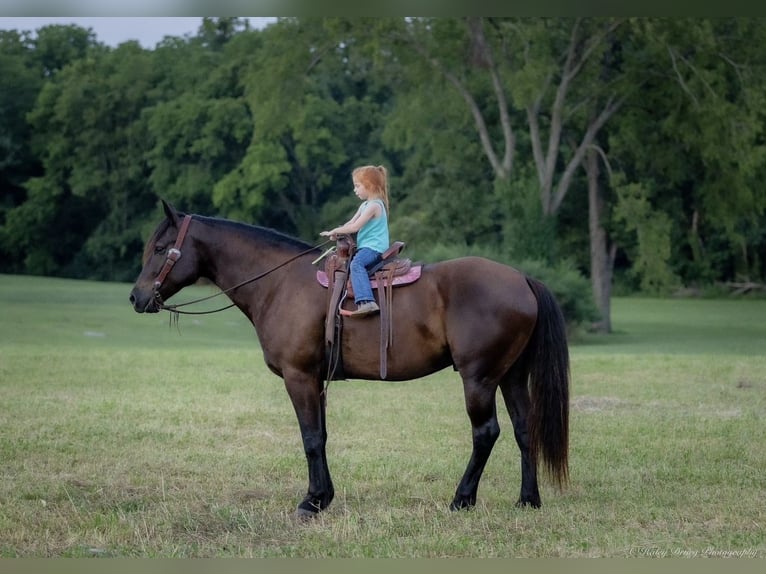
[{"x": 548, "y": 367}]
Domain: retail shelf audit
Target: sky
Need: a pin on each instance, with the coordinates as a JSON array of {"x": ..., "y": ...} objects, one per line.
[{"x": 113, "y": 30}]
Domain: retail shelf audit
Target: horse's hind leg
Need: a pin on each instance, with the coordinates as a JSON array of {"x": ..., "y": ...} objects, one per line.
[
  {"x": 480, "y": 404},
  {"x": 516, "y": 397}
]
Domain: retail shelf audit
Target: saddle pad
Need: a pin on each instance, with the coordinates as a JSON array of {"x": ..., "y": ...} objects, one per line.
[{"x": 410, "y": 277}]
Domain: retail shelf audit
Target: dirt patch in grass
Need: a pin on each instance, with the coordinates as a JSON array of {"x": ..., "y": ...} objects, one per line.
[{"x": 600, "y": 404}]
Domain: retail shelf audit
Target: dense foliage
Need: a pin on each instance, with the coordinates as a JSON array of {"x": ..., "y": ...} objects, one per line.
[{"x": 630, "y": 151}]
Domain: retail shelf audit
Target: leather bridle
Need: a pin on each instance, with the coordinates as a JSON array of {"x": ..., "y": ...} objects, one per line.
[{"x": 174, "y": 254}]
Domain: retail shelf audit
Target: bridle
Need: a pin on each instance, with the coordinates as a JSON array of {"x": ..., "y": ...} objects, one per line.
[{"x": 174, "y": 254}]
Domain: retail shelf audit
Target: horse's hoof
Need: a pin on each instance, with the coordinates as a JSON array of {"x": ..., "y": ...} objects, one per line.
[
  {"x": 461, "y": 505},
  {"x": 305, "y": 515},
  {"x": 528, "y": 504}
]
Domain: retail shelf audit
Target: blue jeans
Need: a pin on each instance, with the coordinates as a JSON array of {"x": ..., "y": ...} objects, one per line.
[{"x": 360, "y": 281}]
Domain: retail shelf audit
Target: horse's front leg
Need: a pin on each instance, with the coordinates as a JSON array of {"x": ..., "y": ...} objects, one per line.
[{"x": 309, "y": 402}]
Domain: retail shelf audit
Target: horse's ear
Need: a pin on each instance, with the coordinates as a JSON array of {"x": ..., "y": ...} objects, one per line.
[{"x": 170, "y": 212}]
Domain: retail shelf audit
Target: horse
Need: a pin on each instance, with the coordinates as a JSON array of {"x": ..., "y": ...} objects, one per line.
[{"x": 492, "y": 324}]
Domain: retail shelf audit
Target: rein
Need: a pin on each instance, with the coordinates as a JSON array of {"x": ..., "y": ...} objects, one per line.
[{"x": 174, "y": 255}]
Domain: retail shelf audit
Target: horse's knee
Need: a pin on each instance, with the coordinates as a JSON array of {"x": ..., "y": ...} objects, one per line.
[{"x": 314, "y": 444}]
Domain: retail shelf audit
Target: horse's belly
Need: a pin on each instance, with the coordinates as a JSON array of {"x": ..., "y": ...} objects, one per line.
[{"x": 403, "y": 361}]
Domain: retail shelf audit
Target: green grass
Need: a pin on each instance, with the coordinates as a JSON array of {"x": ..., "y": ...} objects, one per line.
[
  {"x": 684, "y": 326},
  {"x": 123, "y": 436}
]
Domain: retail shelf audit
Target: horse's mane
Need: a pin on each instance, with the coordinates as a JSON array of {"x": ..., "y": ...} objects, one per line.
[
  {"x": 261, "y": 234},
  {"x": 271, "y": 236}
]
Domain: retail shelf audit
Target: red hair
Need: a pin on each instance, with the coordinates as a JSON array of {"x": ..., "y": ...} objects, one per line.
[{"x": 375, "y": 179}]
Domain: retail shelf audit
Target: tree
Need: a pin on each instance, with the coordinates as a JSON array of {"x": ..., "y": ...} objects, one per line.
[
  {"x": 78, "y": 218},
  {"x": 313, "y": 114},
  {"x": 596, "y": 142},
  {"x": 691, "y": 150},
  {"x": 201, "y": 124},
  {"x": 57, "y": 46},
  {"x": 526, "y": 81},
  {"x": 27, "y": 63},
  {"x": 23, "y": 79}
]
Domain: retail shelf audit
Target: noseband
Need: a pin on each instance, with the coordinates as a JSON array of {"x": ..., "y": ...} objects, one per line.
[{"x": 174, "y": 254}]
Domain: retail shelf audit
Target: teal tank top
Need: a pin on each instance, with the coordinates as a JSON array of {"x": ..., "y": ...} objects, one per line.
[{"x": 374, "y": 234}]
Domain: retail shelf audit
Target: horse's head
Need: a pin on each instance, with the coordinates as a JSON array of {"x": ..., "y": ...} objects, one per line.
[{"x": 169, "y": 264}]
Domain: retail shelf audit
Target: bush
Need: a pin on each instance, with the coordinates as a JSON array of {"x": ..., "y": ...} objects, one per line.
[
  {"x": 442, "y": 252},
  {"x": 570, "y": 287}
]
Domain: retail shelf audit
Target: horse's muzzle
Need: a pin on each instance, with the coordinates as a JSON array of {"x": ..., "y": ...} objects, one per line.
[{"x": 142, "y": 302}]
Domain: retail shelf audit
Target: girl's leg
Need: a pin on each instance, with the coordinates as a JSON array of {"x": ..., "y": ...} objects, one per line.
[{"x": 360, "y": 281}]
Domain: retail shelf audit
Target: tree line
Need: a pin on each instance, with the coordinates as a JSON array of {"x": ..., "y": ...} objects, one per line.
[{"x": 628, "y": 151}]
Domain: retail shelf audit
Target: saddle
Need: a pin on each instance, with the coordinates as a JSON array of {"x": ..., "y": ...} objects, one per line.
[{"x": 391, "y": 271}]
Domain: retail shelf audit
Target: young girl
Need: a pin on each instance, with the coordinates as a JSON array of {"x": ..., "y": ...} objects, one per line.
[{"x": 370, "y": 222}]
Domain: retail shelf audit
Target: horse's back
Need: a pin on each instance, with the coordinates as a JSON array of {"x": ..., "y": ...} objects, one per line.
[{"x": 483, "y": 282}]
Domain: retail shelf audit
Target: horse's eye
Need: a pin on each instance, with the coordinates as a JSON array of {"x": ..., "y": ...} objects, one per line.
[{"x": 159, "y": 248}]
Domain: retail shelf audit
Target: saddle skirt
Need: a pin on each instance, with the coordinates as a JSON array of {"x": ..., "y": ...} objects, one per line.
[{"x": 410, "y": 277}]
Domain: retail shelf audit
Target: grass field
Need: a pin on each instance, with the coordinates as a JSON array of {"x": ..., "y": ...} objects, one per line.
[{"x": 123, "y": 436}]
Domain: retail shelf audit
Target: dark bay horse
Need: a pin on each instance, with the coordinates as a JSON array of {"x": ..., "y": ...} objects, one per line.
[{"x": 495, "y": 326}]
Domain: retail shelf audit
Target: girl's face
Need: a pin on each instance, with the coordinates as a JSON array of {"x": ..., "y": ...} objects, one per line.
[{"x": 360, "y": 190}]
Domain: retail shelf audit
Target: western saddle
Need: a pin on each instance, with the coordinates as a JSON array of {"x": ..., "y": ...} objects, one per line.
[{"x": 390, "y": 271}]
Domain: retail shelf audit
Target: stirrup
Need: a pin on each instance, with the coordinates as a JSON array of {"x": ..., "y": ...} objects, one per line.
[{"x": 366, "y": 308}]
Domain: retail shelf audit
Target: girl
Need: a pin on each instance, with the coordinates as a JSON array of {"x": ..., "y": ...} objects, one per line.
[{"x": 370, "y": 222}]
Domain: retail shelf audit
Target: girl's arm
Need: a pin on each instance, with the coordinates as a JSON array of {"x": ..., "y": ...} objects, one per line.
[{"x": 355, "y": 223}]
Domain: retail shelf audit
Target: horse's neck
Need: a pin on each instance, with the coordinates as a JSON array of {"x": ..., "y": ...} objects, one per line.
[{"x": 231, "y": 259}]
